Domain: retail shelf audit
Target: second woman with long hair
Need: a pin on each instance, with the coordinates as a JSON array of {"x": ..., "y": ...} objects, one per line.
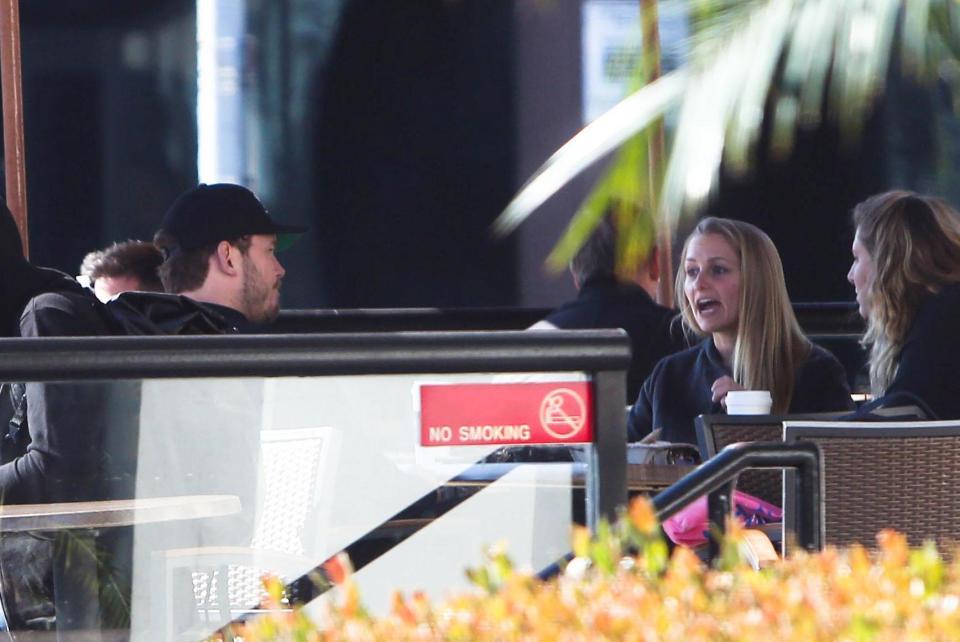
[{"x": 906, "y": 272}]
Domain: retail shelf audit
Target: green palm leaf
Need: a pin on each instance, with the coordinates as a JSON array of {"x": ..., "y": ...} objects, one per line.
[
  {"x": 797, "y": 62},
  {"x": 597, "y": 139}
]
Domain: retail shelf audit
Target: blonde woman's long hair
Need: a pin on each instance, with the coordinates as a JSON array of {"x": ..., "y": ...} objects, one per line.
[
  {"x": 770, "y": 345},
  {"x": 914, "y": 241}
]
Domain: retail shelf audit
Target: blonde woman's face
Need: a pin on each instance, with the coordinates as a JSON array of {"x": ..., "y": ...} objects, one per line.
[
  {"x": 861, "y": 275},
  {"x": 712, "y": 283}
]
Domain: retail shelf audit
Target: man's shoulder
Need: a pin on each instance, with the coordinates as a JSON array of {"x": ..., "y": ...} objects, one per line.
[
  {"x": 55, "y": 288},
  {"x": 624, "y": 306},
  {"x": 147, "y": 313},
  {"x": 61, "y": 299},
  {"x": 64, "y": 312}
]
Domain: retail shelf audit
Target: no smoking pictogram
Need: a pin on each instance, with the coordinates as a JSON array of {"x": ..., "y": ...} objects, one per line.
[{"x": 562, "y": 413}]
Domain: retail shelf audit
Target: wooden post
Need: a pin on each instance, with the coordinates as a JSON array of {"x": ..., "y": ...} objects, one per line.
[
  {"x": 13, "y": 146},
  {"x": 656, "y": 157}
]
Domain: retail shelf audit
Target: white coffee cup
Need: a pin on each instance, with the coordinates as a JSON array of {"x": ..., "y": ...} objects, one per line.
[{"x": 749, "y": 402}]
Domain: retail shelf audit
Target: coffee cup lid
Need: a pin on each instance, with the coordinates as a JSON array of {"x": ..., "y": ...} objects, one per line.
[{"x": 749, "y": 396}]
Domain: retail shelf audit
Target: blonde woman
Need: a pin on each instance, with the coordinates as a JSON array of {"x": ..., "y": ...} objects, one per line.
[
  {"x": 731, "y": 291},
  {"x": 906, "y": 267}
]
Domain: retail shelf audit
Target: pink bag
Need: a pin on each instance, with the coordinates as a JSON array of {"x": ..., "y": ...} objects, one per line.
[{"x": 690, "y": 526}]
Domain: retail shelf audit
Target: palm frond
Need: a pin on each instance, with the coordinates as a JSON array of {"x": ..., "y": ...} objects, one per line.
[
  {"x": 621, "y": 192},
  {"x": 798, "y": 62},
  {"x": 594, "y": 141}
]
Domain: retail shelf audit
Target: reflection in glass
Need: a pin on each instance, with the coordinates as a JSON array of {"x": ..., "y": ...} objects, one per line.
[{"x": 161, "y": 503}]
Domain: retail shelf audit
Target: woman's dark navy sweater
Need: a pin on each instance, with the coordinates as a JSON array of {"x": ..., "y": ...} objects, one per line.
[{"x": 679, "y": 389}]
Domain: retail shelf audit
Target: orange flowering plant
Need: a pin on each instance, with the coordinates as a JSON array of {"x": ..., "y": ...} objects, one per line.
[{"x": 623, "y": 585}]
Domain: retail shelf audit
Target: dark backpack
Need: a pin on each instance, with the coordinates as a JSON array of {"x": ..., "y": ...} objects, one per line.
[{"x": 13, "y": 417}]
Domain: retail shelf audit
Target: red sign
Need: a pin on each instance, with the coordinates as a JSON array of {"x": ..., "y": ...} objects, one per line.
[{"x": 559, "y": 412}]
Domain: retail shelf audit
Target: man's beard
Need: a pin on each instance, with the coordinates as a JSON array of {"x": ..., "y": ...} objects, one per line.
[{"x": 255, "y": 295}]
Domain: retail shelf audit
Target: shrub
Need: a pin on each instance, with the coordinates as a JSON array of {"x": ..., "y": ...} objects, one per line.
[{"x": 623, "y": 586}]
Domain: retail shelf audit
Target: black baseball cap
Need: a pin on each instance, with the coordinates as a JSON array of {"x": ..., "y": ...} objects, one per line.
[{"x": 208, "y": 214}]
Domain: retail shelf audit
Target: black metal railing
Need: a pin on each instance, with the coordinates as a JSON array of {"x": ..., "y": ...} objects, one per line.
[
  {"x": 823, "y": 318},
  {"x": 716, "y": 478},
  {"x": 92, "y": 363}
]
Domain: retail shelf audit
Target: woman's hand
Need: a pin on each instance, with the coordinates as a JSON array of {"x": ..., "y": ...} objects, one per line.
[{"x": 721, "y": 387}]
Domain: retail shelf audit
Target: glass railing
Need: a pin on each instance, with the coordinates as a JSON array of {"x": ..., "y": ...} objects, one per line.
[{"x": 167, "y": 476}]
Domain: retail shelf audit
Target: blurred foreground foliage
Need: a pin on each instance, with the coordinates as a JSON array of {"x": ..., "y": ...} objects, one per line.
[{"x": 622, "y": 585}]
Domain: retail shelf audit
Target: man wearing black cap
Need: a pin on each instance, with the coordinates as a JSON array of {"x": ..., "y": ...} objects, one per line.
[
  {"x": 219, "y": 242},
  {"x": 607, "y": 299},
  {"x": 221, "y": 276},
  {"x": 220, "y": 249}
]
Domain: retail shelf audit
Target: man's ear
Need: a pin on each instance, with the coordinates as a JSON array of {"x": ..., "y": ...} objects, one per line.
[{"x": 227, "y": 258}]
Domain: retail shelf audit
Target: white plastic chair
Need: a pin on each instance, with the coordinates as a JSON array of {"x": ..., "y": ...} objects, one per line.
[{"x": 227, "y": 580}]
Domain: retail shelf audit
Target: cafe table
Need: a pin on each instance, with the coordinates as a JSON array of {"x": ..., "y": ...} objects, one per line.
[
  {"x": 81, "y": 616},
  {"x": 652, "y": 478},
  {"x": 114, "y": 512}
]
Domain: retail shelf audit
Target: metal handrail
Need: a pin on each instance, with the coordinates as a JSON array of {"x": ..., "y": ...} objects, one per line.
[
  {"x": 717, "y": 477},
  {"x": 135, "y": 357}
]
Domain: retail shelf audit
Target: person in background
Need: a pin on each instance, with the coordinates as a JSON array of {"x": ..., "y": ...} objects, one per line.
[
  {"x": 122, "y": 267},
  {"x": 38, "y": 302},
  {"x": 731, "y": 292},
  {"x": 38, "y": 462},
  {"x": 20, "y": 281},
  {"x": 906, "y": 274},
  {"x": 608, "y": 300}
]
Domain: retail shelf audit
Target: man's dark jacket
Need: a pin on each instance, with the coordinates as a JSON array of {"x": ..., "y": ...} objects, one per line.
[
  {"x": 67, "y": 423},
  {"x": 28, "y": 569},
  {"x": 149, "y": 313},
  {"x": 80, "y": 442},
  {"x": 20, "y": 280},
  {"x": 68, "y": 309},
  {"x": 604, "y": 302}
]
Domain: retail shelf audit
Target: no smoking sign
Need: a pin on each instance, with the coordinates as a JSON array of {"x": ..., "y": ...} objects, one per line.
[{"x": 506, "y": 413}]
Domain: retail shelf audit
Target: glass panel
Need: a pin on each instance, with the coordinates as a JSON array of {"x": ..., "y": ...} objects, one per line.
[{"x": 215, "y": 482}]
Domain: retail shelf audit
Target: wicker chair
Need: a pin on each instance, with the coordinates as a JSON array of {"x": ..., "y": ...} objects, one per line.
[
  {"x": 716, "y": 432},
  {"x": 900, "y": 475}
]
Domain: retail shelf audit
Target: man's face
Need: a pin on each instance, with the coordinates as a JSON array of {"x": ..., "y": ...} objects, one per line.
[{"x": 262, "y": 273}]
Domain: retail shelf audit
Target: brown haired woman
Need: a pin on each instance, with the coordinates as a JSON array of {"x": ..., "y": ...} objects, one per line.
[
  {"x": 906, "y": 270},
  {"x": 731, "y": 291}
]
